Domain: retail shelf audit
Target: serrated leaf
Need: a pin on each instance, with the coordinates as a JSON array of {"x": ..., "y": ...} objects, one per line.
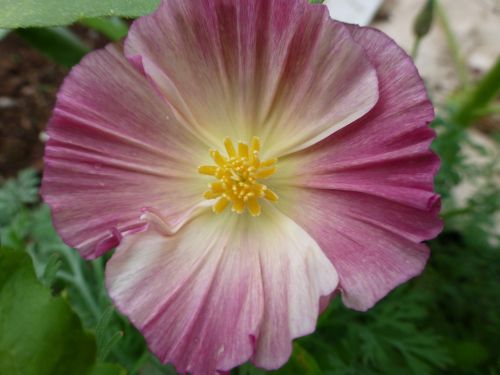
[
  {"x": 16, "y": 192},
  {"x": 50, "y": 272},
  {"x": 32, "y": 13},
  {"x": 28, "y": 185},
  {"x": 13, "y": 234}
]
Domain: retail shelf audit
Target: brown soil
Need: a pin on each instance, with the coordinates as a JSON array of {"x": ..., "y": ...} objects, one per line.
[
  {"x": 29, "y": 83},
  {"x": 28, "y": 86}
]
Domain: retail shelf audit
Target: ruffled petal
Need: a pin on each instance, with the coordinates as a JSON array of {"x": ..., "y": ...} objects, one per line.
[
  {"x": 281, "y": 70},
  {"x": 222, "y": 290},
  {"x": 115, "y": 147},
  {"x": 366, "y": 193},
  {"x": 373, "y": 243}
]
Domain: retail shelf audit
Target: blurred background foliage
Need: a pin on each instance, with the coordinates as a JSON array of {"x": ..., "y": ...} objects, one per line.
[{"x": 56, "y": 318}]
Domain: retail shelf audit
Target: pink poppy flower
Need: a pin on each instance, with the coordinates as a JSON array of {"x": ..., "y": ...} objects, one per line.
[{"x": 312, "y": 137}]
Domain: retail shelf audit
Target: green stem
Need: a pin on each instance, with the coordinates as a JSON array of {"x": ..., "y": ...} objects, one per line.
[
  {"x": 488, "y": 111},
  {"x": 65, "y": 276},
  {"x": 143, "y": 359},
  {"x": 456, "y": 212},
  {"x": 98, "y": 269},
  {"x": 79, "y": 282},
  {"x": 76, "y": 279},
  {"x": 88, "y": 297},
  {"x": 416, "y": 46},
  {"x": 453, "y": 45},
  {"x": 479, "y": 97},
  {"x": 114, "y": 28}
]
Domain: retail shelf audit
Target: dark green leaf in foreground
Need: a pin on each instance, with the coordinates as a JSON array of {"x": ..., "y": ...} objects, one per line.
[
  {"x": 29, "y": 13},
  {"x": 57, "y": 43},
  {"x": 301, "y": 362},
  {"x": 39, "y": 333},
  {"x": 107, "y": 369}
]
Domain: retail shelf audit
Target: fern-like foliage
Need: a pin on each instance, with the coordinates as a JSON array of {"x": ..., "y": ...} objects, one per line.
[{"x": 16, "y": 193}]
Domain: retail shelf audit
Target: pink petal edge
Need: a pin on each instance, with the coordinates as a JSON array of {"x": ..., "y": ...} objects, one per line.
[
  {"x": 368, "y": 188},
  {"x": 114, "y": 147},
  {"x": 252, "y": 67}
]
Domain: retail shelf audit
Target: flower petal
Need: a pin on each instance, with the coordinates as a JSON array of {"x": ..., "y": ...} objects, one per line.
[
  {"x": 374, "y": 244},
  {"x": 368, "y": 189},
  {"x": 114, "y": 148},
  {"x": 221, "y": 290},
  {"x": 281, "y": 69}
]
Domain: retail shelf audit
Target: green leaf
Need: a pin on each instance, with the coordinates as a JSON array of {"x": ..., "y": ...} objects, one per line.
[
  {"x": 13, "y": 235},
  {"x": 29, "y": 13},
  {"x": 50, "y": 272},
  {"x": 40, "y": 333},
  {"x": 469, "y": 354},
  {"x": 479, "y": 97},
  {"x": 106, "y": 349},
  {"x": 114, "y": 28},
  {"x": 57, "y": 43},
  {"x": 104, "y": 345},
  {"x": 301, "y": 362},
  {"x": 14, "y": 193},
  {"x": 107, "y": 369},
  {"x": 102, "y": 324}
]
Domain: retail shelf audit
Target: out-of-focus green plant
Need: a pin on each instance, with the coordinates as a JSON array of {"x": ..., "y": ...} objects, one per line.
[
  {"x": 36, "y": 13},
  {"x": 65, "y": 47},
  {"x": 476, "y": 100},
  {"x": 57, "y": 43},
  {"x": 113, "y": 27},
  {"x": 423, "y": 24},
  {"x": 40, "y": 333}
]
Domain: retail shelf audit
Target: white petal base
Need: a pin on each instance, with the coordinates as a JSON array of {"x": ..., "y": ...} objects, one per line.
[{"x": 222, "y": 290}]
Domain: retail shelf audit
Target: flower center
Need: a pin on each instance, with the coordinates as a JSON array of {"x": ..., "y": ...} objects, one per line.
[{"x": 237, "y": 177}]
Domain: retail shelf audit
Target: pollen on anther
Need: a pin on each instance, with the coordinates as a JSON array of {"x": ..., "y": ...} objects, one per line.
[{"x": 237, "y": 176}]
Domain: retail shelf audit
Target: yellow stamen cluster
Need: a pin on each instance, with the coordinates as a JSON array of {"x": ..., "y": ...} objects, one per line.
[{"x": 237, "y": 176}]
